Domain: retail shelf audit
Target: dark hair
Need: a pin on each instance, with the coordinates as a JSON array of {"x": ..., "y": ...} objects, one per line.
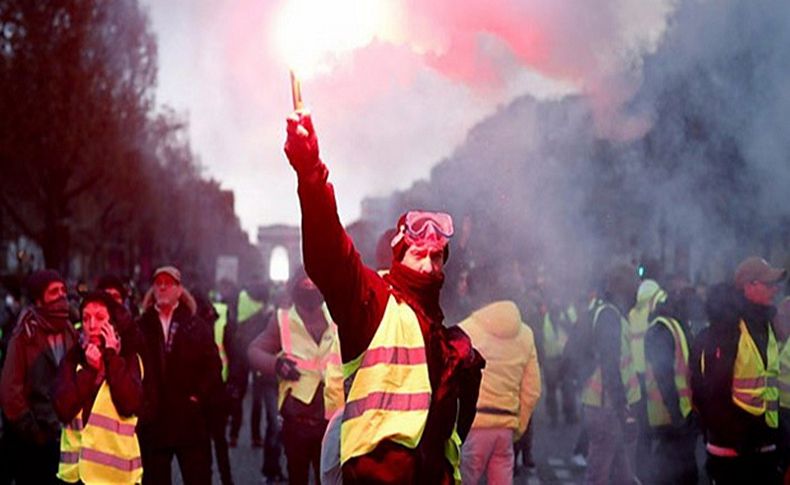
[
  {"x": 99, "y": 297},
  {"x": 114, "y": 282}
]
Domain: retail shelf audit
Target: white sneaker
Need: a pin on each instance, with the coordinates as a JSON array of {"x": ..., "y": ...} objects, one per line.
[{"x": 579, "y": 460}]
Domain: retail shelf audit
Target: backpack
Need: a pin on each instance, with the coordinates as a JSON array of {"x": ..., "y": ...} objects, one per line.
[{"x": 579, "y": 354}]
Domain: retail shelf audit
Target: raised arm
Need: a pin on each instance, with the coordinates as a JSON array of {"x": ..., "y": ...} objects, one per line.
[{"x": 355, "y": 294}]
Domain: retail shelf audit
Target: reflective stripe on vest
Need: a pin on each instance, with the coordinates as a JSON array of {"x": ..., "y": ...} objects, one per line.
[
  {"x": 754, "y": 384},
  {"x": 106, "y": 449},
  {"x": 219, "y": 336},
  {"x": 783, "y": 381},
  {"x": 318, "y": 363},
  {"x": 592, "y": 394},
  {"x": 247, "y": 307},
  {"x": 554, "y": 337},
  {"x": 388, "y": 385},
  {"x": 657, "y": 412}
]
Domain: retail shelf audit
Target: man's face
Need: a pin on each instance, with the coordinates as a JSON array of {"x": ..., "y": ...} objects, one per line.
[
  {"x": 167, "y": 290},
  {"x": 95, "y": 316},
  {"x": 425, "y": 259},
  {"x": 54, "y": 290},
  {"x": 761, "y": 293}
]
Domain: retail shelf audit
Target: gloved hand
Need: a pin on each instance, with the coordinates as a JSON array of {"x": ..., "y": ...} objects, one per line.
[
  {"x": 286, "y": 369},
  {"x": 301, "y": 144}
]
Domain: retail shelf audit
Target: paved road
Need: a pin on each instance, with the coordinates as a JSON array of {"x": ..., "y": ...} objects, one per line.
[{"x": 552, "y": 453}]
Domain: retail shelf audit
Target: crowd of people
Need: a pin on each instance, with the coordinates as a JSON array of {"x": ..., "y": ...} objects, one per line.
[{"x": 360, "y": 377}]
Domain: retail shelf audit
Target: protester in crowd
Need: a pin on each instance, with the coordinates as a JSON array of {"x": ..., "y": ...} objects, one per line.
[
  {"x": 300, "y": 348},
  {"x": 42, "y": 337},
  {"x": 734, "y": 369},
  {"x": 218, "y": 419},
  {"x": 648, "y": 296},
  {"x": 668, "y": 392},
  {"x": 558, "y": 324},
  {"x": 509, "y": 391},
  {"x": 183, "y": 385},
  {"x": 254, "y": 315},
  {"x": 610, "y": 393},
  {"x": 387, "y": 324},
  {"x": 782, "y": 328},
  {"x": 97, "y": 395}
]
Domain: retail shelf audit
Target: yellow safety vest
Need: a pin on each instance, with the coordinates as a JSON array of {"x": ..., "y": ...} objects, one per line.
[
  {"x": 219, "y": 336},
  {"x": 657, "y": 412},
  {"x": 105, "y": 450},
  {"x": 389, "y": 388},
  {"x": 592, "y": 394},
  {"x": 247, "y": 307},
  {"x": 554, "y": 337},
  {"x": 784, "y": 376},
  {"x": 754, "y": 384},
  {"x": 318, "y": 363}
]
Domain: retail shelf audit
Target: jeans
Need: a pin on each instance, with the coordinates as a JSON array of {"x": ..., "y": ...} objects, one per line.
[
  {"x": 607, "y": 459},
  {"x": 489, "y": 452}
]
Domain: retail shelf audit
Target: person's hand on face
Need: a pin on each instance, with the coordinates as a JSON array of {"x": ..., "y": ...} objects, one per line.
[{"x": 111, "y": 340}]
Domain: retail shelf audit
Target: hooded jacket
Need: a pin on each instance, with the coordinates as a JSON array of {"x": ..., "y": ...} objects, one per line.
[{"x": 511, "y": 385}]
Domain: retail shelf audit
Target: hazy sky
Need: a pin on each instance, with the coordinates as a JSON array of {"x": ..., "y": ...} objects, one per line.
[{"x": 401, "y": 99}]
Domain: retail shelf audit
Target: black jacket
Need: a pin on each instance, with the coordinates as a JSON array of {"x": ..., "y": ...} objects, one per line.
[
  {"x": 724, "y": 423},
  {"x": 183, "y": 387}
]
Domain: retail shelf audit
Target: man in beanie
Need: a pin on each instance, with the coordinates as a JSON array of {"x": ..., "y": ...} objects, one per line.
[
  {"x": 412, "y": 383},
  {"x": 736, "y": 370},
  {"x": 183, "y": 383},
  {"x": 42, "y": 337}
]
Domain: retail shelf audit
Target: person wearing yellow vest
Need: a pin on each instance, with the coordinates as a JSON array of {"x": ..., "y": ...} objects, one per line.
[
  {"x": 557, "y": 325},
  {"x": 648, "y": 296},
  {"x": 301, "y": 349},
  {"x": 735, "y": 366},
  {"x": 612, "y": 390},
  {"x": 412, "y": 383},
  {"x": 97, "y": 394},
  {"x": 782, "y": 328},
  {"x": 668, "y": 393},
  {"x": 509, "y": 391}
]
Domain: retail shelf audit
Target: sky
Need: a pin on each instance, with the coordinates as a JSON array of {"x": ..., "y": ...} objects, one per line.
[{"x": 393, "y": 85}]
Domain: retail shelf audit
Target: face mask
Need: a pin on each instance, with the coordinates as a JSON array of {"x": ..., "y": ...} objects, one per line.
[{"x": 308, "y": 299}]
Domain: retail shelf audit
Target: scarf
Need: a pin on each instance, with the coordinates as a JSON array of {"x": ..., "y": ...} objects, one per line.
[
  {"x": 50, "y": 318},
  {"x": 420, "y": 291}
]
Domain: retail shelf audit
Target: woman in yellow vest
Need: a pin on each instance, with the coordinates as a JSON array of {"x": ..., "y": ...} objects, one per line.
[{"x": 97, "y": 394}]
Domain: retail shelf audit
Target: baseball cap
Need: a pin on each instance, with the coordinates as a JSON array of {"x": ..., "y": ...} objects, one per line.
[
  {"x": 171, "y": 271},
  {"x": 755, "y": 268}
]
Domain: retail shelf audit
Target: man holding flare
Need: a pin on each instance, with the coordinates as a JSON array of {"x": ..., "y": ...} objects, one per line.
[{"x": 411, "y": 384}]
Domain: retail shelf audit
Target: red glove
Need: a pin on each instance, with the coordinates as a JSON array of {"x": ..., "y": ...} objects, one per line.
[{"x": 301, "y": 144}]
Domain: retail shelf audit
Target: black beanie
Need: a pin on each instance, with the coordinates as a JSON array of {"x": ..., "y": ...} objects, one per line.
[{"x": 38, "y": 282}]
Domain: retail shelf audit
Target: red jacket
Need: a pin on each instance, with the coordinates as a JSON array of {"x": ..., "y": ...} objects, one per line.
[{"x": 357, "y": 296}]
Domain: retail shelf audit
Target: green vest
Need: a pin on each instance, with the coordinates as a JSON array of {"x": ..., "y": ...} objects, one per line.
[
  {"x": 554, "y": 337},
  {"x": 754, "y": 384},
  {"x": 247, "y": 307},
  {"x": 784, "y": 376},
  {"x": 657, "y": 412},
  {"x": 219, "y": 334}
]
